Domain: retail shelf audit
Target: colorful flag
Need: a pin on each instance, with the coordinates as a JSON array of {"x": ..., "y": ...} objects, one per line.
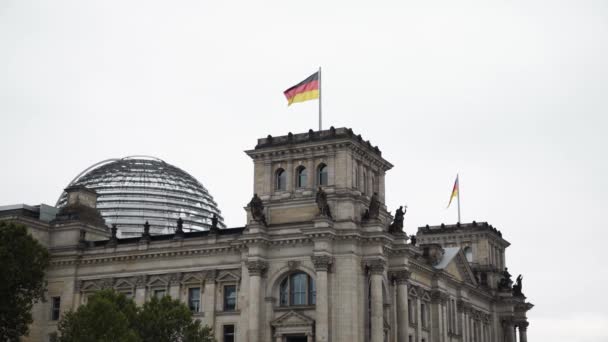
[
  {"x": 304, "y": 91},
  {"x": 454, "y": 191}
]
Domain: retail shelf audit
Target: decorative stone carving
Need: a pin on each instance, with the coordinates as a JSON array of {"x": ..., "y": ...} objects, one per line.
[
  {"x": 179, "y": 231},
  {"x": 375, "y": 266},
  {"x": 518, "y": 286},
  {"x": 257, "y": 267},
  {"x": 293, "y": 264},
  {"x": 322, "y": 262},
  {"x": 523, "y": 326},
  {"x": 141, "y": 281},
  {"x": 214, "y": 228},
  {"x": 113, "y": 239},
  {"x": 397, "y": 225},
  {"x": 146, "y": 234},
  {"x": 400, "y": 277},
  {"x": 321, "y": 199},
  {"x": 175, "y": 278},
  {"x": 438, "y": 297},
  {"x": 505, "y": 283},
  {"x": 257, "y": 210}
]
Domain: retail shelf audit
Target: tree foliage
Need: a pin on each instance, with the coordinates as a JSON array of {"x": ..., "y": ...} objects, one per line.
[
  {"x": 23, "y": 262},
  {"x": 110, "y": 316},
  {"x": 168, "y": 320}
]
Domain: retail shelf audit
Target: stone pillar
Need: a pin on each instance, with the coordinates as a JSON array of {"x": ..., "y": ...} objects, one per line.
[
  {"x": 508, "y": 330},
  {"x": 523, "y": 331},
  {"x": 208, "y": 299},
  {"x": 418, "y": 317},
  {"x": 174, "y": 284},
  {"x": 311, "y": 175},
  {"x": 140, "y": 290},
  {"x": 256, "y": 268},
  {"x": 376, "y": 268},
  {"x": 403, "y": 322},
  {"x": 268, "y": 188},
  {"x": 291, "y": 179},
  {"x": 437, "y": 321},
  {"x": 322, "y": 264}
]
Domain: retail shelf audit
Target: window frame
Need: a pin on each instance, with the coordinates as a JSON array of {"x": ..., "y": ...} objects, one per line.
[
  {"x": 280, "y": 176},
  {"x": 225, "y": 298},
  {"x": 301, "y": 174},
  {"x": 322, "y": 175},
  {"x": 199, "y": 301},
  {"x": 55, "y": 310},
  {"x": 287, "y": 293},
  {"x": 224, "y": 333}
]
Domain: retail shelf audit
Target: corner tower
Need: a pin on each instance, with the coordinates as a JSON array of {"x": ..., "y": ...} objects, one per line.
[{"x": 289, "y": 169}]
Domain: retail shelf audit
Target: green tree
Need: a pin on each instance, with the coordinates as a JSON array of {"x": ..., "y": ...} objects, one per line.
[
  {"x": 23, "y": 262},
  {"x": 168, "y": 320},
  {"x": 110, "y": 316},
  {"x": 106, "y": 317}
]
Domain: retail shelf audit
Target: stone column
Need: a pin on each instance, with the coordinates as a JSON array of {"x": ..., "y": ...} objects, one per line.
[
  {"x": 174, "y": 285},
  {"x": 376, "y": 268},
  {"x": 291, "y": 179},
  {"x": 403, "y": 322},
  {"x": 322, "y": 264},
  {"x": 256, "y": 268},
  {"x": 208, "y": 299},
  {"x": 311, "y": 175},
  {"x": 523, "y": 331},
  {"x": 508, "y": 330},
  {"x": 140, "y": 290}
]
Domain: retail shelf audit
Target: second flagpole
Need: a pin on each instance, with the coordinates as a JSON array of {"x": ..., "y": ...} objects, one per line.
[{"x": 320, "y": 103}]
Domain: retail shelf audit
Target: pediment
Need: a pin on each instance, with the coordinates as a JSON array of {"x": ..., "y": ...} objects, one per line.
[
  {"x": 90, "y": 287},
  {"x": 292, "y": 319},
  {"x": 123, "y": 284},
  {"x": 228, "y": 277},
  {"x": 192, "y": 278},
  {"x": 412, "y": 291},
  {"x": 157, "y": 281},
  {"x": 426, "y": 297}
]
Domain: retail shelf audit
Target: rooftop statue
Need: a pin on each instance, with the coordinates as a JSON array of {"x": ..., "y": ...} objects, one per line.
[
  {"x": 397, "y": 225},
  {"x": 518, "y": 287},
  {"x": 257, "y": 209},
  {"x": 505, "y": 283},
  {"x": 322, "y": 204}
]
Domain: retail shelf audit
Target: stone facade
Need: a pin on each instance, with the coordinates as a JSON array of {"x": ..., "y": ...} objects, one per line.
[{"x": 300, "y": 275}]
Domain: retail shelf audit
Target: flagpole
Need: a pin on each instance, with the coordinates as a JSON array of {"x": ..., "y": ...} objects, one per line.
[
  {"x": 458, "y": 180},
  {"x": 320, "y": 102}
]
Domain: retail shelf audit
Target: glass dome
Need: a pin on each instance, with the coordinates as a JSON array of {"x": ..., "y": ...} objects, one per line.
[{"x": 137, "y": 189}]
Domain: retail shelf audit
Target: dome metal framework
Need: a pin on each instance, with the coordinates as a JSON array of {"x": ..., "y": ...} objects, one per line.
[{"x": 136, "y": 189}]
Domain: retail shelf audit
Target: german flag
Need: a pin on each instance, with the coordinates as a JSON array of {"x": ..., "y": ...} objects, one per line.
[
  {"x": 455, "y": 192},
  {"x": 304, "y": 91}
]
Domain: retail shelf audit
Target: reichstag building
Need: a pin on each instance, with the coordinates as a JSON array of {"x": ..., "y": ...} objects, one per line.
[{"x": 321, "y": 258}]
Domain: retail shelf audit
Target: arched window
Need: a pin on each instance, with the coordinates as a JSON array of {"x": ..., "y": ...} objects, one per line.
[
  {"x": 468, "y": 253},
  {"x": 322, "y": 175},
  {"x": 281, "y": 179},
  {"x": 301, "y": 177},
  {"x": 297, "y": 289}
]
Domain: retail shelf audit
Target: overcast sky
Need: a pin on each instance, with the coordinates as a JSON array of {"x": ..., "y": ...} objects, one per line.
[{"x": 510, "y": 94}]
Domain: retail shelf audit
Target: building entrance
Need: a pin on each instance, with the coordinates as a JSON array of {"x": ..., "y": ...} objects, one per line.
[{"x": 296, "y": 339}]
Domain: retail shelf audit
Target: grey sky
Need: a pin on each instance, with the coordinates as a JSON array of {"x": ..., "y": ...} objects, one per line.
[{"x": 511, "y": 94}]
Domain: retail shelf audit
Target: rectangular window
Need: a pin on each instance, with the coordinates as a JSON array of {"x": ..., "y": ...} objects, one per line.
[
  {"x": 194, "y": 299},
  {"x": 159, "y": 293},
  {"x": 229, "y": 298},
  {"x": 55, "y": 308},
  {"x": 228, "y": 333}
]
